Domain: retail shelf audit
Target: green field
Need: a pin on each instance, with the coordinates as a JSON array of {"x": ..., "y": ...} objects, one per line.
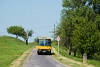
[{"x": 10, "y": 49}]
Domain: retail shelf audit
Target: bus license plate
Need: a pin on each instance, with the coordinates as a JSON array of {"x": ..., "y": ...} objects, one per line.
[{"x": 44, "y": 51}]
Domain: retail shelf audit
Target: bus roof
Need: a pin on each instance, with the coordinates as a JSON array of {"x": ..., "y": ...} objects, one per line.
[{"x": 43, "y": 37}]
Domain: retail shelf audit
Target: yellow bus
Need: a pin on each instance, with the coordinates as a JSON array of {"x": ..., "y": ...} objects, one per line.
[{"x": 44, "y": 45}]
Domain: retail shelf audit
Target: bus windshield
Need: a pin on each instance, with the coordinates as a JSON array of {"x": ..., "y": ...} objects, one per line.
[{"x": 44, "y": 42}]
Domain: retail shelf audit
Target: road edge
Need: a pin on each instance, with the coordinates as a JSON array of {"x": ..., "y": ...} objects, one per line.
[
  {"x": 20, "y": 60},
  {"x": 65, "y": 61}
]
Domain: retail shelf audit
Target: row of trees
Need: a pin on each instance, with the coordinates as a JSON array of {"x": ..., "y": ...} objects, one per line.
[
  {"x": 79, "y": 28},
  {"x": 19, "y": 31}
]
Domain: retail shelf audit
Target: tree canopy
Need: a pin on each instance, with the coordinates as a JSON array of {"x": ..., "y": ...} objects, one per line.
[
  {"x": 15, "y": 30},
  {"x": 19, "y": 31},
  {"x": 79, "y": 28}
]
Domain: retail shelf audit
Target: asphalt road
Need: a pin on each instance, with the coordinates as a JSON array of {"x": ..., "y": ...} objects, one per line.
[{"x": 35, "y": 60}]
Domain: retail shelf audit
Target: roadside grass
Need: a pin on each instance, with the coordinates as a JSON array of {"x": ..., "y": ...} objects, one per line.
[
  {"x": 20, "y": 60},
  {"x": 94, "y": 62},
  {"x": 10, "y": 49},
  {"x": 71, "y": 60}
]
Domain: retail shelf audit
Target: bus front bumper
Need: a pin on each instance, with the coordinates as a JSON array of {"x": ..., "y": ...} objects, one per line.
[{"x": 44, "y": 51}]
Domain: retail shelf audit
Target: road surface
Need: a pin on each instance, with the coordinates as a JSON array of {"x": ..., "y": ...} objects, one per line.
[{"x": 35, "y": 60}]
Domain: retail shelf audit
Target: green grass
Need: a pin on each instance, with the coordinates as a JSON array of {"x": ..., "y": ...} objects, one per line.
[
  {"x": 10, "y": 49},
  {"x": 94, "y": 62},
  {"x": 64, "y": 52}
]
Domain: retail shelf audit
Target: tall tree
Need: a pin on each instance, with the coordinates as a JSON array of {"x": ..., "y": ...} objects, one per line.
[
  {"x": 85, "y": 35},
  {"x": 95, "y": 4},
  {"x": 79, "y": 26}
]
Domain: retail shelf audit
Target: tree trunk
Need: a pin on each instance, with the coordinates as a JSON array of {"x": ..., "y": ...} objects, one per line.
[
  {"x": 16, "y": 36},
  {"x": 69, "y": 51},
  {"x": 75, "y": 52},
  {"x": 26, "y": 41}
]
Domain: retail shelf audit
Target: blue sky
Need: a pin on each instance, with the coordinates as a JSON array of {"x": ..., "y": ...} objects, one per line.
[{"x": 37, "y": 15}]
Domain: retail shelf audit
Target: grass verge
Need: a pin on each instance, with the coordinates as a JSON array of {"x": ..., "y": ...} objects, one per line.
[
  {"x": 71, "y": 60},
  {"x": 10, "y": 49},
  {"x": 20, "y": 60}
]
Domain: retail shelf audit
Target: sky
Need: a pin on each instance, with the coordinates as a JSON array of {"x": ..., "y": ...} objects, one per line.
[{"x": 37, "y": 15}]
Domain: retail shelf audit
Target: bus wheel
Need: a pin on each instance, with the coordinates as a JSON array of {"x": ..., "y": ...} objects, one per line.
[
  {"x": 50, "y": 52},
  {"x": 38, "y": 52}
]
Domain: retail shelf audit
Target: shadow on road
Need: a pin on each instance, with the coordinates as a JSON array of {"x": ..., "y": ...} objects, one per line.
[
  {"x": 47, "y": 54},
  {"x": 52, "y": 53}
]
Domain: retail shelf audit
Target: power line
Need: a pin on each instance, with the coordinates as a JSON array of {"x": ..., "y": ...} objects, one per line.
[{"x": 43, "y": 26}]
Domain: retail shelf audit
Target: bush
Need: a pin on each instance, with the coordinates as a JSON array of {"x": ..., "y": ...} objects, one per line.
[{"x": 97, "y": 56}]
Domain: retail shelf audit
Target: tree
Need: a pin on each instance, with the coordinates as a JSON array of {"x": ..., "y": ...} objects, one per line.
[
  {"x": 80, "y": 26},
  {"x": 26, "y": 35},
  {"x": 65, "y": 32},
  {"x": 86, "y": 37},
  {"x": 15, "y": 30},
  {"x": 95, "y": 5},
  {"x": 36, "y": 40}
]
